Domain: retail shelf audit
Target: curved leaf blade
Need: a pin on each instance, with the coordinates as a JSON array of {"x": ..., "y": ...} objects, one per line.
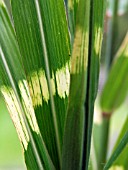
[
  {"x": 116, "y": 85},
  {"x": 84, "y": 77},
  {"x": 44, "y": 43},
  {"x": 123, "y": 143},
  {"x": 14, "y": 88},
  {"x": 122, "y": 159}
]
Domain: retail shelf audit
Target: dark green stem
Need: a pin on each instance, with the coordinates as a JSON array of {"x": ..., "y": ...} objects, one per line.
[{"x": 103, "y": 143}]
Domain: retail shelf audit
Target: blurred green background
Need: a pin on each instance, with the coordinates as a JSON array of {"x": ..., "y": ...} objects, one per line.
[
  {"x": 11, "y": 156},
  {"x": 10, "y": 148}
]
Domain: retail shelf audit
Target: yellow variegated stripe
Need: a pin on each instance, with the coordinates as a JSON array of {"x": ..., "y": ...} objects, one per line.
[
  {"x": 63, "y": 81},
  {"x": 34, "y": 86},
  {"x": 44, "y": 85},
  {"x": 80, "y": 53},
  {"x": 70, "y": 4},
  {"x": 116, "y": 168},
  {"x": 15, "y": 113},
  {"x": 27, "y": 102},
  {"x": 98, "y": 39},
  {"x": 84, "y": 48},
  {"x": 38, "y": 85}
]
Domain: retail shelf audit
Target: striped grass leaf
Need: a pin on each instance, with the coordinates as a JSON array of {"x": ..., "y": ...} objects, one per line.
[
  {"x": 97, "y": 11},
  {"x": 44, "y": 44},
  {"x": 74, "y": 128},
  {"x": 117, "y": 82},
  {"x": 84, "y": 80},
  {"x": 119, "y": 156},
  {"x": 14, "y": 87}
]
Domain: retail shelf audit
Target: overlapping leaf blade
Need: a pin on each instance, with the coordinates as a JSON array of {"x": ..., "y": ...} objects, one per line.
[
  {"x": 116, "y": 85},
  {"x": 97, "y": 11},
  {"x": 74, "y": 129},
  {"x": 119, "y": 156},
  {"x": 43, "y": 38},
  {"x": 123, "y": 157},
  {"x": 87, "y": 45},
  {"x": 14, "y": 88}
]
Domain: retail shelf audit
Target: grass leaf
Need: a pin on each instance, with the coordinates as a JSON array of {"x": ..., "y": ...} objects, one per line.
[
  {"x": 74, "y": 128},
  {"x": 97, "y": 11},
  {"x": 120, "y": 147},
  {"x": 44, "y": 44},
  {"x": 116, "y": 85},
  {"x": 84, "y": 80},
  {"x": 14, "y": 87},
  {"x": 122, "y": 159}
]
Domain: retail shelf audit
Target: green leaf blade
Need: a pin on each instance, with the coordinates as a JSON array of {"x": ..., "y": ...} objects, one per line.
[
  {"x": 74, "y": 127},
  {"x": 122, "y": 158},
  {"x": 45, "y": 48},
  {"x": 123, "y": 143},
  {"x": 116, "y": 85},
  {"x": 97, "y": 11},
  {"x": 14, "y": 88}
]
